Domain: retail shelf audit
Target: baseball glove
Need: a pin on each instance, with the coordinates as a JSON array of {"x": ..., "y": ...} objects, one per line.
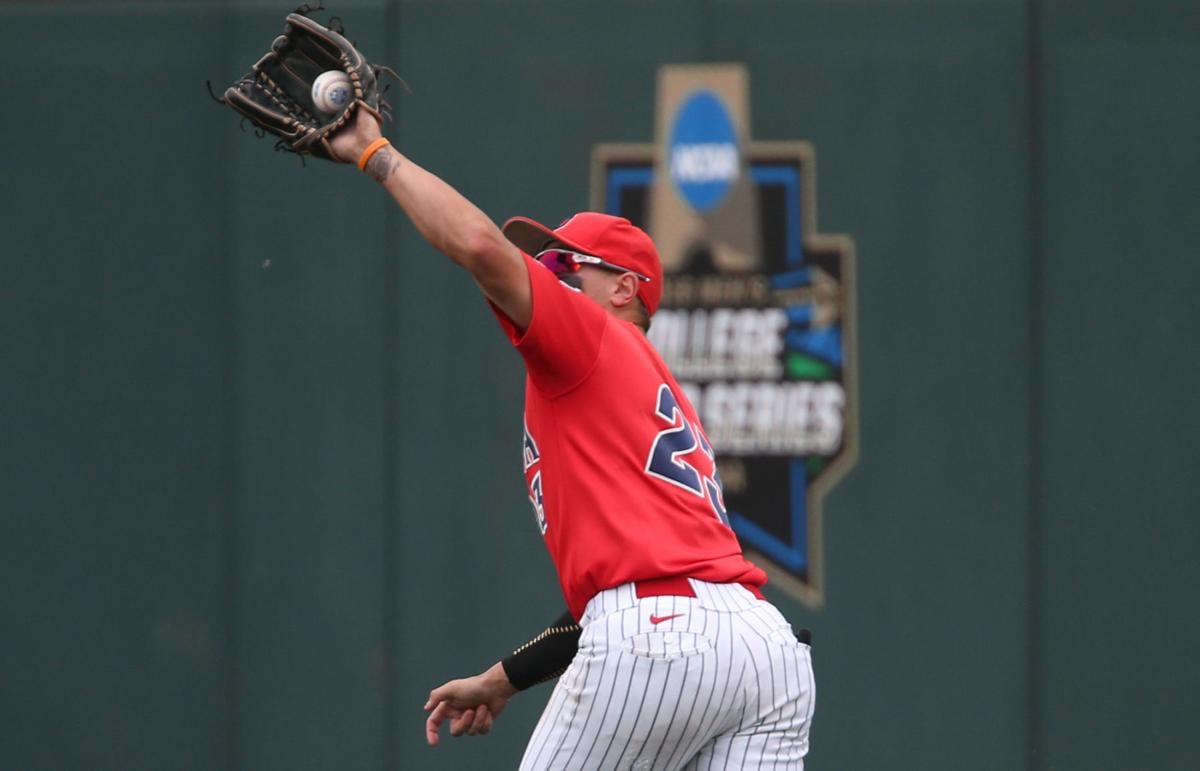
[{"x": 276, "y": 94}]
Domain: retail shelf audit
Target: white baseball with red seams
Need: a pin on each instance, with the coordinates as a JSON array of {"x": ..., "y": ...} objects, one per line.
[{"x": 332, "y": 91}]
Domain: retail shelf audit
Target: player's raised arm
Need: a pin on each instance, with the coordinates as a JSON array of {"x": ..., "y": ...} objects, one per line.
[
  {"x": 444, "y": 218},
  {"x": 316, "y": 91}
]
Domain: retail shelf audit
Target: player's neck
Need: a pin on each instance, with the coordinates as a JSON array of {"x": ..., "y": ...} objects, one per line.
[{"x": 626, "y": 313}]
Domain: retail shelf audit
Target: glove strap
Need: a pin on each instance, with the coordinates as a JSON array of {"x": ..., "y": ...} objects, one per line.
[{"x": 371, "y": 150}]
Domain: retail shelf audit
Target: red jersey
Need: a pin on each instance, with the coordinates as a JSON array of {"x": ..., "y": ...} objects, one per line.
[{"x": 619, "y": 471}]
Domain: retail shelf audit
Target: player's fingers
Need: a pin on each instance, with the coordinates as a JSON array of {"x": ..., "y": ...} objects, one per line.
[
  {"x": 435, "y": 696},
  {"x": 482, "y": 718},
  {"x": 434, "y": 722},
  {"x": 444, "y": 692},
  {"x": 458, "y": 726}
]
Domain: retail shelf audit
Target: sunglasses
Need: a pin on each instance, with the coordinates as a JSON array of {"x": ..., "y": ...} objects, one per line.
[{"x": 561, "y": 261}]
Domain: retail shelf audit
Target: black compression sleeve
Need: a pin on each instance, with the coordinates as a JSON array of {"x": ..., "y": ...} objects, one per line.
[{"x": 546, "y": 656}]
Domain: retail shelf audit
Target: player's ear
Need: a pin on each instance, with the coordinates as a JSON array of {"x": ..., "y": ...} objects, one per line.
[{"x": 624, "y": 290}]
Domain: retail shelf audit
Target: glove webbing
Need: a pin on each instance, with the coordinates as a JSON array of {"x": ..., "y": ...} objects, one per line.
[{"x": 280, "y": 97}]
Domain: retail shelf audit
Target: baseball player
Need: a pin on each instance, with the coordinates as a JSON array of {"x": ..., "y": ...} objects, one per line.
[{"x": 680, "y": 661}]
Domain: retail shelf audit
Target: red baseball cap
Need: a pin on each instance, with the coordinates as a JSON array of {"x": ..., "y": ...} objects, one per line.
[{"x": 613, "y": 239}]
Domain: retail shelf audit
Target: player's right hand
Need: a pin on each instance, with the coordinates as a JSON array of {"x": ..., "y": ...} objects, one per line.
[{"x": 471, "y": 704}]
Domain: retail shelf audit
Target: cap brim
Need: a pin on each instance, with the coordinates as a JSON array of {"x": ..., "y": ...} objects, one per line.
[{"x": 533, "y": 237}]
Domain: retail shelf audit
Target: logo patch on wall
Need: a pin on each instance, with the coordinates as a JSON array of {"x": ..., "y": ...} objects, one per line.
[{"x": 757, "y": 316}]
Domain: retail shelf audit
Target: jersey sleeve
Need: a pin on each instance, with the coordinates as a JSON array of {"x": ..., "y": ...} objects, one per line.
[{"x": 562, "y": 342}]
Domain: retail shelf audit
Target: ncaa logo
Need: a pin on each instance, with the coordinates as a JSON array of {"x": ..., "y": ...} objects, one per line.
[{"x": 704, "y": 160}]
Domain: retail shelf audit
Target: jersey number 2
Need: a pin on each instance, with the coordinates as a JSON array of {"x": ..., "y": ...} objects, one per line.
[{"x": 671, "y": 444}]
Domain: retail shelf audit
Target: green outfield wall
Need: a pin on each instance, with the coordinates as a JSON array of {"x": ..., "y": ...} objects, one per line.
[{"x": 258, "y": 442}]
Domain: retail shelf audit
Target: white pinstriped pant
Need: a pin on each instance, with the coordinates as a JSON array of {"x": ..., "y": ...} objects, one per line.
[{"x": 723, "y": 684}]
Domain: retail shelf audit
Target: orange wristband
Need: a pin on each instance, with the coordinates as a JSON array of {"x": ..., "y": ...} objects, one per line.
[{"x": 371, "y": 149}]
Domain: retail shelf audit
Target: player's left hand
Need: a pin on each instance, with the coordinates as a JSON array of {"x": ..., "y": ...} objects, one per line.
[
  {"x": 471, "y": 704},
  {"x": 472, "y": 722}
]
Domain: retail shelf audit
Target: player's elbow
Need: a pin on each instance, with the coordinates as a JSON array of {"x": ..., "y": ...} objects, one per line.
[
  {"x": 483, "y": 247},
  {"x": 491, "y": 259},
  {"x": 499, "y": 270}
]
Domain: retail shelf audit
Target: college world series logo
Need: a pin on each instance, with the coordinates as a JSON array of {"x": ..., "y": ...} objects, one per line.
[{"x": 757, "y": 315}]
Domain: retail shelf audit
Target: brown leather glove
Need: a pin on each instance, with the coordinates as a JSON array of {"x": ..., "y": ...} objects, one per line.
[{"x": 276, "y": 94}]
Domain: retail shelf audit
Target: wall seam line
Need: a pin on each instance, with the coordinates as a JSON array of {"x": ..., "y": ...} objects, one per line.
[{"x": 1035, "y": 373}]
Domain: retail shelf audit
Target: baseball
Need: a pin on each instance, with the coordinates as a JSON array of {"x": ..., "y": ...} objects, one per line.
[{"x": 332, "y": 91}]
